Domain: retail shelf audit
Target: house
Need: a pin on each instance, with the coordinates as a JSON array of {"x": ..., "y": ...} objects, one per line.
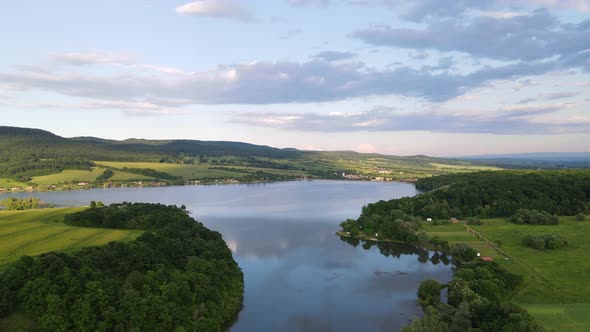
[
  {"x": 486, "y": 258},
  {"x": 383, "y": 171},
  {"x": 455, "y": 220},
  {"x": 428, "y": 219},
  {"x": 81, "y": 184},
  {"x": 2, "y": 189}
]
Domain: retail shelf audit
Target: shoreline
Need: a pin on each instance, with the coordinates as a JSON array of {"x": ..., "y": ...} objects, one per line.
[
  {"x": 162, "y": 184},
  {"x": 366, "y": 238}
]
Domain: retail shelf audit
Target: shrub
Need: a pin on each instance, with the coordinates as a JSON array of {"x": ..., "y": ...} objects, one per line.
[
  {"x": 545, "y": 241},
  {"x": 581, "y": 217},
  {"x": 474, "y": 221},
  {"x": 534, "y": 217}
]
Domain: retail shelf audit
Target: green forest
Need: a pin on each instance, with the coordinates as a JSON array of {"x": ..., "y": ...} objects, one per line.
[
  {"x": 493, "y": 194},
  {"x": 479, "y": 296},
  {"x": 177, "y": 276}
]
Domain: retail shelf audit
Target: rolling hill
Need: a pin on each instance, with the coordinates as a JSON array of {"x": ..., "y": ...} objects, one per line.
[{"x": 38, "y": 157}]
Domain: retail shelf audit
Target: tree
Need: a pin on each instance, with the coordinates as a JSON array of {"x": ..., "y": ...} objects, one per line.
[
  {"x": 580, "y": 217},
  {"x": 429, "y": 293},
  {"x": 461, "y": 320}
]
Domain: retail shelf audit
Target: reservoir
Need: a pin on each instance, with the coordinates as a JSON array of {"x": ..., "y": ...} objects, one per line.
[{"x": 299, "y": 276}]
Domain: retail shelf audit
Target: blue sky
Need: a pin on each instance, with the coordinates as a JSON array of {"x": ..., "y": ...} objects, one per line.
[{"x": 437, "y": 77}]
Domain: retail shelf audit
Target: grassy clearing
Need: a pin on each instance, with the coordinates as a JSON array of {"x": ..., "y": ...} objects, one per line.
[
  {"x": 7, "y": 183},
  {"x": 562, "y": 317},
  {"x": 34, "y": 232},
  {"x": 125, "y": 176},
  {"x": 68, "y": 176},
  {"x": 556, "y": 290},
  {"x": 182, "y": 170}
]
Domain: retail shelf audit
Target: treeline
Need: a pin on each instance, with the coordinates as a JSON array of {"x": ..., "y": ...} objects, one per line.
[
  {"x": 23, "y": 169},
  {"x": 493, "y": 194},
  {"x": 177, "y": 276},
  {"x": 396, "y": 225},
  {"x": 126, "y": 216},
  {"x": 13, "y": 203},
  {"x": 152, "y": 173},
  {"x": 534, "y": 217}
]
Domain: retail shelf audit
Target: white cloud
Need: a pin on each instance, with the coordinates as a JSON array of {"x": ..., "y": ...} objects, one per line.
[
  {"x": 92, "y": 58},
  {"x": 515, "y": 119},
  {"x": 215, "y": 8}
]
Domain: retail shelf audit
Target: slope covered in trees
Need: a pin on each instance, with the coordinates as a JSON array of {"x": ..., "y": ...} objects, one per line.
[
  {"x": 493, "y": 194},
  {"x": 178, "y": 275}
]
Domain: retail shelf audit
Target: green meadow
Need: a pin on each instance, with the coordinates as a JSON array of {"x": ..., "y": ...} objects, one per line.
[
  {"x": 69, "y": 176},
  {"x": 34, "y": 232},
  {"x": 556, "y": 289}
]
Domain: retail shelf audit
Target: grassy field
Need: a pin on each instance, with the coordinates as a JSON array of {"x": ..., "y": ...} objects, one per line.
[
  {"x": 6, "y": 183},
  {"x": 34, "y": 232},
  {"x": 185, "y": 171},
  {"x": 556, "y": 290},
  {"x": 69, "y": 176}
]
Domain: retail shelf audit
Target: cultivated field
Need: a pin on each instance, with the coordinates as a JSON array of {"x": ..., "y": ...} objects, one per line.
[
  {"x": 556, "y": 290},
  {"x": 185, "y": 171},
  {"x": 6, "y": 183},
  {"x": 69, "y": 176},
  {"x": 34, "y": 232}
]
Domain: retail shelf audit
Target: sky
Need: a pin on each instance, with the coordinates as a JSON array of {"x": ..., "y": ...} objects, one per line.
[{"x": 434, "y": 77}]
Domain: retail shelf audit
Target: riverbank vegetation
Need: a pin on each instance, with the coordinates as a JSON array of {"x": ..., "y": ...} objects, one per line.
[
  {"x": 176, "y": 275},
  {"x": 524, "y": 204},
  {"x": 13, "y": 203}
]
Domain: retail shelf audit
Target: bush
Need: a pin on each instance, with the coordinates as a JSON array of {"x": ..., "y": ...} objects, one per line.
[
  {"x": 545, "y": 241},
  {"x": 534, "y": 217},
  {"x": 474, "y": 221},
  {"x": 581, "y": 217}
]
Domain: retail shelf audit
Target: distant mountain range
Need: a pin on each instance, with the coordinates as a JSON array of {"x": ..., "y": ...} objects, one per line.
[
  {"x": 547, "y": 156},
  {"x": 544, "y": 160},
  {"x": 26, "y": 153}
]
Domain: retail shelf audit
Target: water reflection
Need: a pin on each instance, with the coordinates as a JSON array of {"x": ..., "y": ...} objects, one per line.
[
  {"x": 397, "y": 249},
  {"x": 300, "y": 276}
]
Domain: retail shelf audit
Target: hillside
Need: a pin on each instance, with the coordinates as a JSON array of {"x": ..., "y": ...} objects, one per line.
[{"x": 44, "y": 160}]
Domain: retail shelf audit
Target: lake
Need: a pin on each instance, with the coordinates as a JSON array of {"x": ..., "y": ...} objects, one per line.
[{"x": 299, "y": 276}]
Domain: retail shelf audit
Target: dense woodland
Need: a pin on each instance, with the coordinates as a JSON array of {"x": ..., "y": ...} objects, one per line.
[
  {"x": 493, "y": 194},
  {"x": 177, "y": 276}
]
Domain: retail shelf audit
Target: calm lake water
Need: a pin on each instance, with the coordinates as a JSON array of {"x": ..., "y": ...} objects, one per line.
[{"x": 299, "y": 276}]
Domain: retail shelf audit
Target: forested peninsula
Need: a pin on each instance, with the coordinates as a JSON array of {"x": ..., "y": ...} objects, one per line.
[{"x": 177, "y": 276}]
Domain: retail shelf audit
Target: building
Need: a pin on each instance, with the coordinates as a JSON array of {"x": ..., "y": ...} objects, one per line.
[
  {"x": 455, "y": 220},
  {"x": 487, "y": 258}
]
